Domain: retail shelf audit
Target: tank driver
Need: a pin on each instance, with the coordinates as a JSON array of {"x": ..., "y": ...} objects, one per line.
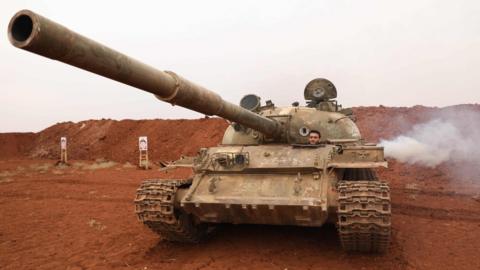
[{"x": 314, "y": 137}]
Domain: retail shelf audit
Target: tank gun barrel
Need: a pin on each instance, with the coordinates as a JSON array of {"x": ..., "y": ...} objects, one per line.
[{"x": 32, "y": 32}]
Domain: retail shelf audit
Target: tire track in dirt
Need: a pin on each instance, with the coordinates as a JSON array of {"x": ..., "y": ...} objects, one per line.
[
  {"x": 29, "y": 196},
  {"x": 68, "y": 181},
  {"x": 432, "y": 193},
  {"x": 435, "y": 213}
]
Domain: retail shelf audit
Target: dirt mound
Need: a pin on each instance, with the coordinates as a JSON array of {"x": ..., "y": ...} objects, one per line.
[
  {"x": 169, "y": 139},
  {"x": 116, "y": 140},
  {"x": 16, "y": 145}
]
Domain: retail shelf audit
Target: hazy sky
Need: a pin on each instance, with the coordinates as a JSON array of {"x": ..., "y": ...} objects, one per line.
[{"x": 395, "y": 53}]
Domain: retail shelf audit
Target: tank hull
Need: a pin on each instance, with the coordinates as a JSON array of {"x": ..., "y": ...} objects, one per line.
[
  {"x": 297, "y": 185},
  {"x": 279, "y": 199}
]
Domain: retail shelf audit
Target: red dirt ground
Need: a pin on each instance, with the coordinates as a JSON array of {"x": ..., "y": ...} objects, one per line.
[{"x": 81, "y": 217}]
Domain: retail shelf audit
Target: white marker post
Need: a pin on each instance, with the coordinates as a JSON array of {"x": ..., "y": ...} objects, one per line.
[
  {"x": 143, "y": 152},
  {"x": 63, "y": 150}
]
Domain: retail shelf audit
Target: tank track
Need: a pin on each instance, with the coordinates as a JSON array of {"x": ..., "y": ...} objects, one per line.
[
  {"x": 154, "y": 206},
  {"x": 364, "y": 212}
]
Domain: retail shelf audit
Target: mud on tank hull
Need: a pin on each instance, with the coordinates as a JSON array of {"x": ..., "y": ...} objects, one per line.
[{"x": 279, "y": 199}]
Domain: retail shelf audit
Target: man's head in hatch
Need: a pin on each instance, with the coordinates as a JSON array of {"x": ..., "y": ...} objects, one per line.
[{"x": 314, "y": 137}]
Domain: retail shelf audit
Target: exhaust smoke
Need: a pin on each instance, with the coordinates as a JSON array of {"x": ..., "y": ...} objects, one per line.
[{"x": 452, "y": 135}]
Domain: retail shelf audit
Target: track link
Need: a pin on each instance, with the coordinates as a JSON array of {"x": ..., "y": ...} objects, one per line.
[
  {"x": 155, "y": 207},
  {"x": 364, "y": 212}
]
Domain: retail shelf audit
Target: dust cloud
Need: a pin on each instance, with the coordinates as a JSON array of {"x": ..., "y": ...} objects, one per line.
[{"x": 450, "y": 136}]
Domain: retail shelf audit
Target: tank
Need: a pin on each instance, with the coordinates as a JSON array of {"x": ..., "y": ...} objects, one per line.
[{"x": 263, "y": 172}]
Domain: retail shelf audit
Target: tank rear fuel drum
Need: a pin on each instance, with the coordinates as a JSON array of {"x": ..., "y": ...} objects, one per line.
[{"x": 32, "y": 32}]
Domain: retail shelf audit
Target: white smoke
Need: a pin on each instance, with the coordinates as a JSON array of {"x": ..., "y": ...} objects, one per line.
[{"x": 452, "y": 135}]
